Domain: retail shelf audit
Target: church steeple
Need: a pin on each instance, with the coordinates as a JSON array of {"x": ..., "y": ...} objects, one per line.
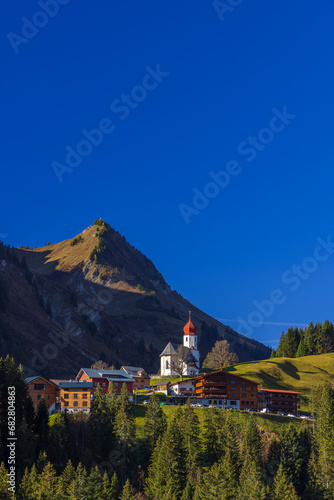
[{"x": 190, "y": 328}]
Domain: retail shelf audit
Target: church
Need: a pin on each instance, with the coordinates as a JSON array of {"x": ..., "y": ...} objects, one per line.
[{"x": 170, "y": 355}]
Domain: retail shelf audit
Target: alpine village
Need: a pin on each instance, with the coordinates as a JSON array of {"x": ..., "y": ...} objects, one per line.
[{"x": 115, "y": 387}]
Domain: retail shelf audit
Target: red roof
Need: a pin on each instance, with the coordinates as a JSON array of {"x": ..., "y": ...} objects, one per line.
[
  {"x": 279, "y": 390},
  {"x": 190, "y": 328}
]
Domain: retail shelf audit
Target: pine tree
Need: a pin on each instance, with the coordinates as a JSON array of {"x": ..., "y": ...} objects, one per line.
[
  {"x": 219, "y": 481},
  {"x": 4, "y": 493},
  {"x": 47, "y": 487},
  {"x": 65, "y": 480},
  {"x": 214, "y": 444},
  {"x": 251, "y": 486},
  {"x": 29, "y": 485},
  {"x": 325, "y": 437},
  {"x": 301, "y": 351},
  {"x": 114, "y": 487},
  {"x": 100, "y": 427},
  {"x": 282, "y": 488},
  {"x": 155, "y": 421},
  {"x": 167, "y": 470},
  {"x": 190, "y": 435},
  {"x": 41, "y": 425},
  {"x": 125, "y": 432},
  {"x": 128, "y": 492},
  {"x": 94, "y": 487},
  {"x": 253, "y": 442}
]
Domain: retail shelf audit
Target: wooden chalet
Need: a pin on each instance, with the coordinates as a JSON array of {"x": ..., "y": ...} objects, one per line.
[
  {"x": 226, "y": 390},
  {"x": 39, "y": 386},
  {"x": 279, "y": 401},
  {"x": 139, "y": 375}
]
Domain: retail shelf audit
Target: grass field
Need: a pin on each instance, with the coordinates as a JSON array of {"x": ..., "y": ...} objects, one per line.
[{"x": 294, "y": 374}]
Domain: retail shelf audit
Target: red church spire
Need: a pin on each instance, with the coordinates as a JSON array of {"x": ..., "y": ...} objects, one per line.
[{"x": 190, "y": 328}]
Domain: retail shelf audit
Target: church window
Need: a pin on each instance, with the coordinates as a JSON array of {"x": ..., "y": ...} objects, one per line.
[
  {"x": 167, "y": 366},
  {"x": 186, "y": 339}
]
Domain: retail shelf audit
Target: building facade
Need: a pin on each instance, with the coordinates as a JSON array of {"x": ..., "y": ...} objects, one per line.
[
  {"x": 104, "y": 377},
  {"x": 170, "y": 356},
  {"x": 75, "y": 396},
  {"x": 279, "y": 401},
  {"x": 39, "y": 386},
  {"x": 139, "y": 375},
  {"x": 225, "y": 390}
]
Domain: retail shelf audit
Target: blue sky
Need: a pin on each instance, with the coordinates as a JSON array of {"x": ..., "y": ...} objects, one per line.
[{"x": 182, "y": 92}]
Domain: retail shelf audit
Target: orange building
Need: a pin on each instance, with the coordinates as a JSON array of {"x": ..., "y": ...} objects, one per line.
[
  {"x": 75, "y": 396},
  {"x": 225, "y": 390},
  {"x": 39, "y": 386}
]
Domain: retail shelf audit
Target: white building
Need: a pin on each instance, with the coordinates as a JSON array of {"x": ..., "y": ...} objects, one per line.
[{"x": 170, "y": 356}]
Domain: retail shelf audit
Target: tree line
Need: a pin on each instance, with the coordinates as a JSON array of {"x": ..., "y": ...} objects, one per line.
[
  {"x": 107, "y": 455},
  {"x": 311, "y": 340}
]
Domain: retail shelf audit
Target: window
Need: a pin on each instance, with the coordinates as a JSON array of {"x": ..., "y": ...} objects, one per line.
[
  {"x": 66, "y": 395},
  {"x": 48, "y": 396},
  {"x": 233, "y": 403},
  {"x": 232, "y": 382},
  {"x": 103, "y": 384},
  {"x": 232, "y": 388},
  {"x": 95, "y": 383},
  {"x": 75, "y": 396},
  {"x": 84, "y": 395},
  {"x": 215, "y": 402},
  {"x": 186, "y": 339},
  {"x": 39, "y": 387},
  {"x": 247, "y": 403},
  {"x": 242, "y": 403},
  {"x": 233, "y": 395},
  {"x": 220, "y": 402},
  {"x": 75, "y": 403},
  {"x": 210, "y": 401},
  {"x": 243, "y": 395},
  {"x": 167, "y": 364},
  {"x": 39, "y": 397},
  {"x": 66, "y": 403},
  {"x": 252, "y": 403},
  {"x": 84, "y": 403}
]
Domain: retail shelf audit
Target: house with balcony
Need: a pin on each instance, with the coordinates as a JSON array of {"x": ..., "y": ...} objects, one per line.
[
  {"x": 225, "y": 390},
  {"x": 279, "y": 401}
]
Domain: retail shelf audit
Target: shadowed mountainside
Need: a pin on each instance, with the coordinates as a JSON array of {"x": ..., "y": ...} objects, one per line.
[{"x": 96, "y": 297}]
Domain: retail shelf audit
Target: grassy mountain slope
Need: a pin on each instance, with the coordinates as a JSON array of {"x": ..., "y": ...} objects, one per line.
[
  {"x": 294, "y": 374},
  {"x": 96, "y": 297}
]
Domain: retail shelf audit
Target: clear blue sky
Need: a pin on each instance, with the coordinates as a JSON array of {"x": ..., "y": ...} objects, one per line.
[{"x": 203, "y": 90}]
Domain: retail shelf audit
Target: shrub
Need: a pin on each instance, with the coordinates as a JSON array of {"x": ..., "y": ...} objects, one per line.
[
  {"x": 77, "y": 239},
  {"x": 152, "y": 293},
  {"x": 139, "y": 287},
  {"x": 98, "y": 222}
]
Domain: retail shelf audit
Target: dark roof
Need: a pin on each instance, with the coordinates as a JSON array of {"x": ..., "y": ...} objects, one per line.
[
  {"x": 68, "y": 385},
  {"x": 170, "y": 349},
  {"x": 28, "y": 380},
  {"x": 111, "y": 375},
  {"x": 231, "y": 374},
  {"x": 133, "y": 371}
]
